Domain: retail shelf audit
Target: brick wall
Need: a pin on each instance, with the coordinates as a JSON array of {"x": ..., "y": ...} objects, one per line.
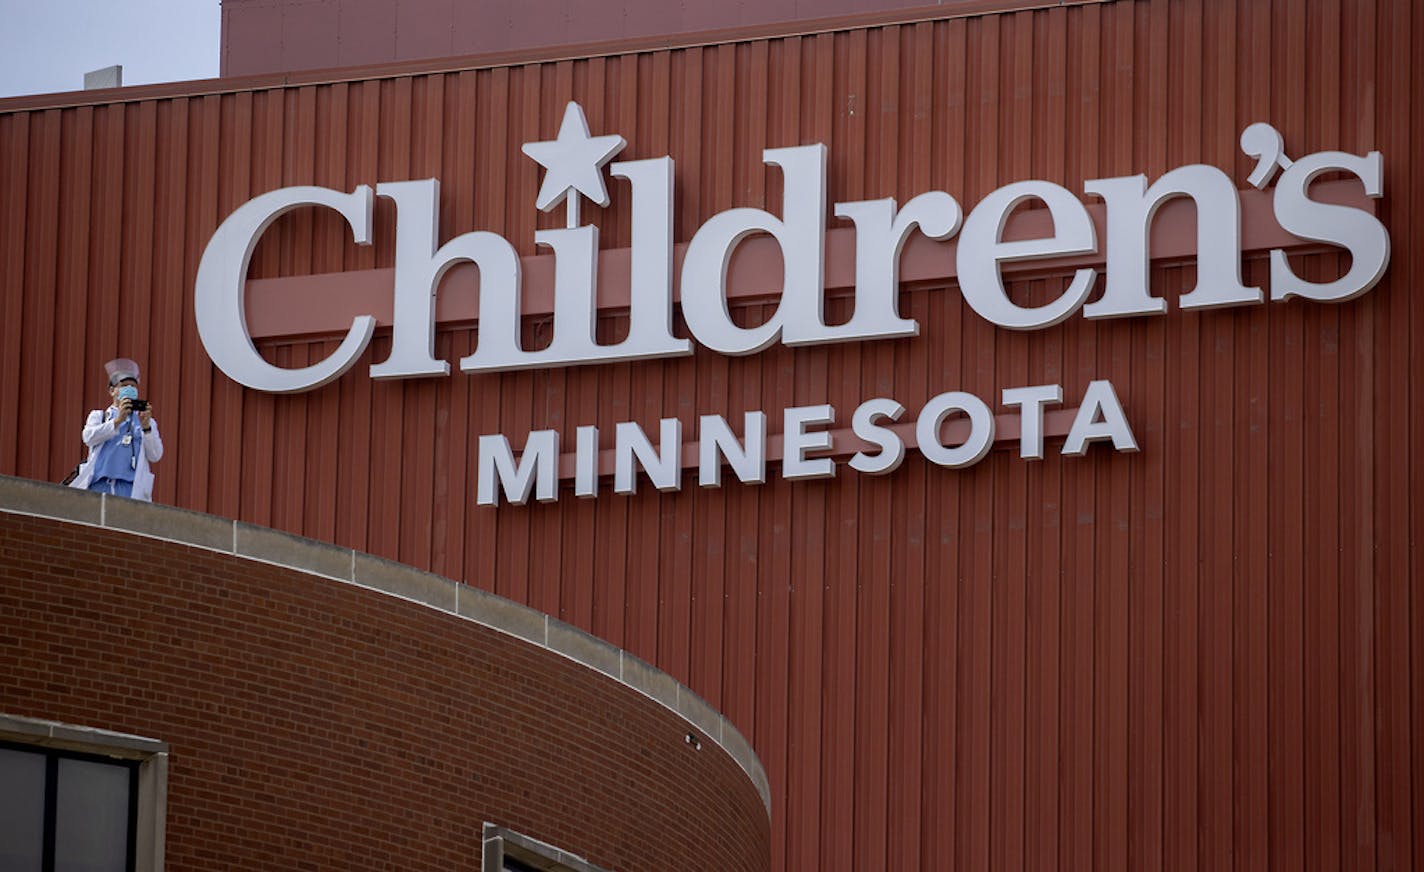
[{"x": 320, "y": 725}]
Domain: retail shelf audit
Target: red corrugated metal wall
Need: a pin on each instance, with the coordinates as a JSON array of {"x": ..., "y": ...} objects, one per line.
[{"x": 1206, "y": 655}]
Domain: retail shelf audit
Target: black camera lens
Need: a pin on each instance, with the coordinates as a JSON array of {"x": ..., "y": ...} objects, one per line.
[{"x": 138, "y": 405}]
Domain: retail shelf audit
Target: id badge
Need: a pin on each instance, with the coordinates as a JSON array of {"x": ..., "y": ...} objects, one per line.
[{"x": 127, "y": 440}]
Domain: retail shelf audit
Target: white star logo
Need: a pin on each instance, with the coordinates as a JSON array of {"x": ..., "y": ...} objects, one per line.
[{"x": 573, "y": 163}]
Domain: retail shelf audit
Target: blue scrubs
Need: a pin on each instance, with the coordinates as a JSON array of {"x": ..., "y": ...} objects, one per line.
[{"x": 118, "y": 459}]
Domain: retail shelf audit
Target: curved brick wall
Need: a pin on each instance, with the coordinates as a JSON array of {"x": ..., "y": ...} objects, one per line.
[{"x": 320, "y": 723}]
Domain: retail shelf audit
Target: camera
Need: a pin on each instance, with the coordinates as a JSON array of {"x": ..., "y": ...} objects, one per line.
[{"x": 138, "y": 405}]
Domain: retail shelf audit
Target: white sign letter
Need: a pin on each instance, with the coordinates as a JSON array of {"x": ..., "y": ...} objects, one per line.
[
  {"x": 586, "y": 462},
  {"x": 796, "y": 442},
  {"x": 892, "y": 447},
  {"x": 981, "y": 252},
  {"x": 801, "y": 235},
  {"x": 1353, "y": 229},
  {"x": 931, "y": 421},
  {"x": 650, "y": 274},
  {"x": 1131, "y": 208},
  {"x": 538, "y": 465},
  {"x": 1031, "y": 400},
  {"x": 419, "y": 269},
  {"x": 718, "y": 441},
  {"x": 1099, "y": 400},
  {"x": 664, "y": 465},
  {"x": 219, "y": 294},
  {"x": 880, "y": 235}
]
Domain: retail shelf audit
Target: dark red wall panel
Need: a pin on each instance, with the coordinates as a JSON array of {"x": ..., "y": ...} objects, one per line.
[{"x": 1203, "y": 655}]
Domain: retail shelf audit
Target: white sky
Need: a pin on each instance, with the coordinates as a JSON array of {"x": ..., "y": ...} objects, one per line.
[{"x": 48, "y": 45}]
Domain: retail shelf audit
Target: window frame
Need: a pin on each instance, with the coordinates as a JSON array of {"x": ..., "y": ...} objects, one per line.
[
  {"x": 146, "y": 759},
  {"x": 502, "y": 845}
]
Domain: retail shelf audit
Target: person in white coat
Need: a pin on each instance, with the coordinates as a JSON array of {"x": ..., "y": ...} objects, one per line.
[{"x": 122, "y": 441}]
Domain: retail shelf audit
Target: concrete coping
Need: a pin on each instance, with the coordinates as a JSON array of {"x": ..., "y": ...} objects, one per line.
[
  {"x": 51, "y": 734},
  {"x": 264, "y": 545},
  {"x": 500, "y": 842}
]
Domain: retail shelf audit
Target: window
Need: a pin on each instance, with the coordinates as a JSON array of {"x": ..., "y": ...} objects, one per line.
[
  {"x": 64, "y": 810},
  {"x": 508, "y": 851},
  {"x": 79, "y": 800}
]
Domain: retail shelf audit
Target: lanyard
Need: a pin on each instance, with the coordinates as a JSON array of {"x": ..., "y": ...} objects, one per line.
[{"x": 132, "y": 437}]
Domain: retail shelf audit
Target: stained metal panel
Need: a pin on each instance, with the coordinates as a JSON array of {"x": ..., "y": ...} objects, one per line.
[{"x": 1199, "y": 656}]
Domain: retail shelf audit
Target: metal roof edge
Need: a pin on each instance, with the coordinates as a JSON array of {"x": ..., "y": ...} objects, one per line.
[{"x": 519, "y": 57}]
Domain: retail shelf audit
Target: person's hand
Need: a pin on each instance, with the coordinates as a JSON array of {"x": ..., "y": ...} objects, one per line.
[
  {"x": 145, "y": 418},
  {"x": 124, "y": 409}
]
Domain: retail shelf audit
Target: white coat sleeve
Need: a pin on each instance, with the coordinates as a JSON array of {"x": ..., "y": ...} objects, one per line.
[
  {"x": 152, "y": 444},
  {"x": 97, "y": 431}
]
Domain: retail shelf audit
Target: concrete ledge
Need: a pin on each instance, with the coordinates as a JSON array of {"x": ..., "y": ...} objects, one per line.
[
  {"x": 500, "y": 842},
  {"x": 164, "y": 522},
  {"x": 74, "y": 738},
  {"x": 245, "y": 541},
  {"x": 589, "y": 650},
  {"x": 502, "y": 614},
  {"x": 284, "y": 549},
  {"x": 741, "y": 750},
  {"x": 637, "y": 673},
  {"x": 697, "y": 712},
  {"x": 404, "y": 581},
  {"x": 52, "y": 501}
]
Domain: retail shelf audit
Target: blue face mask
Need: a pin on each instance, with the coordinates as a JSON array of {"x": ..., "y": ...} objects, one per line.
[{"x": 128, "y": 392}]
